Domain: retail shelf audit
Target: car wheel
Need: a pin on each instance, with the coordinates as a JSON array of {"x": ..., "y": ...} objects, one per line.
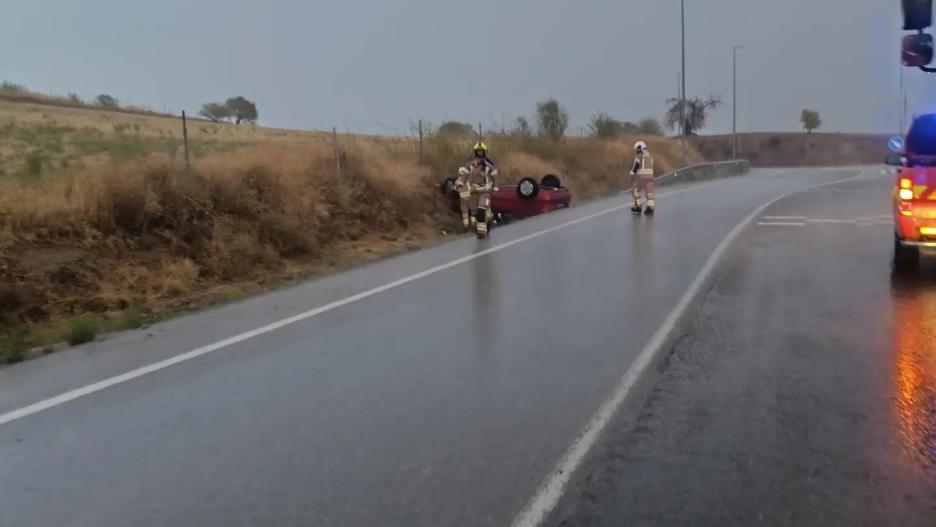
[
  {"x": 448, "y": 186},
  {"x": 551, "y": 181},
  {"x": 528, "y": 188},
  {"x": 906, "y": 258}
]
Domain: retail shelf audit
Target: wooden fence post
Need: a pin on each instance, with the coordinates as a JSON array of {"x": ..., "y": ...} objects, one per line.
[
  {"x": 188, "y": 163},
  {"x": 337, "y": 152}
]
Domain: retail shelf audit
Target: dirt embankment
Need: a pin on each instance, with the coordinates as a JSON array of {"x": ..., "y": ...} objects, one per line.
[
  {"x": 796, "y": 149},
  {"x": 154, "y": 238}
]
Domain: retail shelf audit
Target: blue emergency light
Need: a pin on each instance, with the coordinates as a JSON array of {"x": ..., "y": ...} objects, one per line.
[{"x": 918, "y": 14}]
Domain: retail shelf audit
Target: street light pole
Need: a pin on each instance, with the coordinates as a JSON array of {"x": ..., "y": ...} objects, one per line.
[
  {"x": 734, "y": 102},
  {"x": 683, "y": 95},
  {"x": 903, "y": 103}
]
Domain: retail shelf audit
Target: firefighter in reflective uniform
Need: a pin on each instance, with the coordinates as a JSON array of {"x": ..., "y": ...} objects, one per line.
[
  {"x": 642, "y": 178},
  {"x": 474, "y": 185}
]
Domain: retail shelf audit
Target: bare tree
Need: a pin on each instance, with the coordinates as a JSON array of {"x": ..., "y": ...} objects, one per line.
[
  {"x": 695, "y": 111},
  {"x": 522, "y": 127},
  {"x": 216, "y": 111}
]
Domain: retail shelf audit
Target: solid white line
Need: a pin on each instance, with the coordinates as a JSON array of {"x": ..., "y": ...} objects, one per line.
[
  {"x": 548, "y": 494},
  {"x": 780, "y": 224},
  {"x": 172, "y": 361},
  {"x": 801, "y": 218}
]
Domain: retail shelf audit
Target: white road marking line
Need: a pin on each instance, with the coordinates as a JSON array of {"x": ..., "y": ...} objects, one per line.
[
  {"x": 204, "y": 350},
  {"x": 547, "y": 496},
  {"x": 789, "y": 218},
  {"x": 780, "y": 224},
  {"x": 831, "y": 221}
]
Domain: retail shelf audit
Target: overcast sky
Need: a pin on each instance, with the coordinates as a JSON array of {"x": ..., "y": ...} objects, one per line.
[{"x": 377, "y": 65}]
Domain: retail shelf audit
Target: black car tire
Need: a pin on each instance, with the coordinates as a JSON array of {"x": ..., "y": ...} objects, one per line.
[
  {"x": 448, "y": 186},
  {"x": 528, "y": 188},
  {"x": 551, "y": 181},
  {"x": 906, "y": 257}
]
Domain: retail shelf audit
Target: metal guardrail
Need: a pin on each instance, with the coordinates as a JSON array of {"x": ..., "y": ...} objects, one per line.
[{"x": 705, "y": 171}]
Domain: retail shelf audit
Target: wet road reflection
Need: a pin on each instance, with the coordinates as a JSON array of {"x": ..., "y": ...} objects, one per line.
[
  {"x": 914, "y": 356},
  {"x": 641, "y": 255},
  {"x": 485, "y": 302}
]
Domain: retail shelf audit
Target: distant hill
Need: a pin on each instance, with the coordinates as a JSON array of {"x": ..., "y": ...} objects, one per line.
[{"x": 797, "y": 149}]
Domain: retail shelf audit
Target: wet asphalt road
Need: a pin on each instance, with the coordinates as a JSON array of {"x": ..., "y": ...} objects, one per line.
[
  {"x": 447, "y": 400},
  {"x": 802, "y": 392}
]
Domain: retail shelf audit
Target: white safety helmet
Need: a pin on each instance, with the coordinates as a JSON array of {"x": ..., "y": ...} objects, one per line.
[{"x": 640, "y": 146}]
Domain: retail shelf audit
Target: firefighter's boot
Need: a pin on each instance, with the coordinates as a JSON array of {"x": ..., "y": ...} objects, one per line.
[
  {"x": 481, "y": 223},
  {"x": 636, "y": 209},
  {"x": 651, "y": 205}
]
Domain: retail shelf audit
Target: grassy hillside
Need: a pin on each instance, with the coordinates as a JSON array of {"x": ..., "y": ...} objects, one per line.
[
  {"x": 111, "y": 230},
  {"x": 38, "y": 139}
]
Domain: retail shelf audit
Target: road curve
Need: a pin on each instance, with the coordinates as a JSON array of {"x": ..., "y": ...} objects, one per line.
[
  {"x": 801, "y": 392},
  {"x": 445, "y": 399}
]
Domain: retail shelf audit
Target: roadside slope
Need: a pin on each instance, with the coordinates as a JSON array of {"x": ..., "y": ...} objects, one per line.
[{"x": 126, "y": 241}]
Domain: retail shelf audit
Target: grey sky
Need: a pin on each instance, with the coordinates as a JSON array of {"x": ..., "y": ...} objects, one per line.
[{"x": 376, "y": 65}]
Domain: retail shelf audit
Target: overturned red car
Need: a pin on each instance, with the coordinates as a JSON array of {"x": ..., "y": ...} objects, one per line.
[{"x": 528, "y": 197}]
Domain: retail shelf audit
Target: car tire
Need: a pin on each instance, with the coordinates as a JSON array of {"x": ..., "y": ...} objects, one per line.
[
  {"x": 906, "y": 258},
  {"x": 551, "y": 181},
  {"x": 448, "y": 186},
  {"x": 528, "y": 188}
]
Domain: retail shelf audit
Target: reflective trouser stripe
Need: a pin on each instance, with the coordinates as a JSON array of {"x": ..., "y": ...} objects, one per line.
[{"x": 645, "y": 186}]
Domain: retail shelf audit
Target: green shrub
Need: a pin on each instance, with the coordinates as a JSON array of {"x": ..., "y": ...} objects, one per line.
[
  {"x": 649, "y": 126},
  {"x": 131, "y": 318},
  {"x": 11, "y": 87},
  {"x": 34, "y": 161},
  {"x": 552, "y": 119},
  {"x": 14, "y": 346},
  {"x": 455, "y": 129},
  {"x": 81, "y": 330},
  {"x": 106, "y": 101}
]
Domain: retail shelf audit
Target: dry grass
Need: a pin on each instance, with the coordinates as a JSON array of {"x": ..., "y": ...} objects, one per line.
[
  {"x": 149, "y": 238},
  {"x": 156, "y": 236},
  {"x": 590, "y": 167},
  {"x": 516, "y": 165},
  {"x": 40, "y": 141},
  {"x": 112, "y": 122},
  {"x": 19, "y": 94}
]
